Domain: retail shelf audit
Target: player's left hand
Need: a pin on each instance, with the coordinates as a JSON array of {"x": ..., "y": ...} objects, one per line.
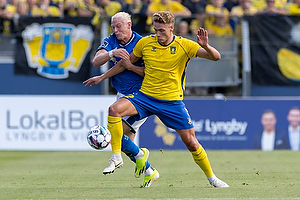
[
  {"x": 121, "y": 53},
  {"x": 202, "y": 37},
  {"x": 93, "y": 81}
]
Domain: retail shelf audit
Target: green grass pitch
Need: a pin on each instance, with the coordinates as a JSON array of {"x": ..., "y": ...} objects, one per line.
[{"x": 78, "y": 175}]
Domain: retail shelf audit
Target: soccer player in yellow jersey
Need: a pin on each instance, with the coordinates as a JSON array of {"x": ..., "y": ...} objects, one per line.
[
  {"x": 166, "y": 57},
  {"x": 115, "y": 47}
]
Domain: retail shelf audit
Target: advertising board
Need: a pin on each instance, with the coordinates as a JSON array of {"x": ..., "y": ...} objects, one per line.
[
  {"x": 219, "y": 124},
  {"x": 50, "y": 122}
]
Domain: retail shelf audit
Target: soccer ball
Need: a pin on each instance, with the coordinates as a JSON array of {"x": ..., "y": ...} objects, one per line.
[{"x": 99, "y": 137}]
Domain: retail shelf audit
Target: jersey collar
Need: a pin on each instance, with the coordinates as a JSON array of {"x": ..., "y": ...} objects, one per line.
[
  {"x": 167, "y": 44},
  {"x": 132, "y": 37}
]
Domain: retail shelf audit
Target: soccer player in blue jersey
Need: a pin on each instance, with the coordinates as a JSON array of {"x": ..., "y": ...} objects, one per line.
[
  {"x": 166, "y": 57},
  {"x": 115, "y": 47}
]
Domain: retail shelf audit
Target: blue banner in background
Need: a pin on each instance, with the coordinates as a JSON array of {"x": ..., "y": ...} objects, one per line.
[{"x": 219, "y": 124}]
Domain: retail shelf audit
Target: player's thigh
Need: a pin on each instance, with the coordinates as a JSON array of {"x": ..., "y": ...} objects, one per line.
[
  {"x": 189, "y": 139},
  {"x": 174, "y": 115},
  {"x": 122, "y": 107}
]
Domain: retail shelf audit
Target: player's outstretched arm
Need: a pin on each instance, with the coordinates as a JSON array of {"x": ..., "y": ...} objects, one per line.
[
  {"x": 206, "y": 51},
  {"x": 109, "y": 73},
  {"x": 93, "y": 81}
]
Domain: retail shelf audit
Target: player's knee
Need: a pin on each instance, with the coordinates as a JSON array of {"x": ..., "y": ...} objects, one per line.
[
  {"x": 113, "y": 110},
  {"x": 192, "y": 145}
]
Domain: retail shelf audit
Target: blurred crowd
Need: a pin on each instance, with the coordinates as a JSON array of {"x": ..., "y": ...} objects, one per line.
[{"x": 219, "y": 17}]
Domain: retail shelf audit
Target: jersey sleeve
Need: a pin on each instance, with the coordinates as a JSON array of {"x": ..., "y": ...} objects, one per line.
[
  {"x": 192, "y": 48},
  {"x": 106, "y": 44},
  {"x": 137, "y": 50}
]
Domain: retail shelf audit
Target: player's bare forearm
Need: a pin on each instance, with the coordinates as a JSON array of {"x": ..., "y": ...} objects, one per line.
[
  {"x": 109, "y": 73},
  {"x": 210, "y": 53},
  {"x": 93, "y": 81},
  {"x": 101, "y": 57},
  {"x": 139, "y": 70},
  {"x": 116, "y": 69},
  {"x": 128, "y": 64},
  {"x": 136, "y": 69}
]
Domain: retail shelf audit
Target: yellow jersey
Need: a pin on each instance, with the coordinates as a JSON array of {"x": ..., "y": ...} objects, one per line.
[
  {"x": 261, "y": 4},
  {"x": 238, "y": 10},
  {"x": 195, "y": 24},
  {"x": 293, "y": 9},
  {"x": 210, "y": 19},
  {"x": 112, "y": 8},
  {"x": 222, "y": 30},
  {"x": 172, "y": 6},
  {"x": 165, "y": 66},
  {"x": 11, "y": 8},
  {"x": 53, "y": 11}
]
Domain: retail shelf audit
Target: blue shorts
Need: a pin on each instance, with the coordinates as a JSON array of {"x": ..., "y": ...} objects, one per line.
[{"x": 172, "y": 113}]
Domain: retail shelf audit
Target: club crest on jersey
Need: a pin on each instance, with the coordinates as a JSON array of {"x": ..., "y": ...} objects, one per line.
[
  {"x": 172, "y": 50},
  {"x": 153, "y": 49},
  {"x": 54, "y": 49}
]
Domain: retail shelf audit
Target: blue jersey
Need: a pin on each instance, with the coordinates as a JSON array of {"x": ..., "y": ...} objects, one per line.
[{"x": 126, "y": 82}]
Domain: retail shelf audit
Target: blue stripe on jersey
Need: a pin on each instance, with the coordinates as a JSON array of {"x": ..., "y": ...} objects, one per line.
[
  {"x": 183, "y": 77},
  {"x": 126, "y": 82}
]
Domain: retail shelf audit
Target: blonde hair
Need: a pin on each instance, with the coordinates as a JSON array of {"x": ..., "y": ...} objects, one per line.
[
  {"x": 164, "y": 17},
  {"x": 124, "y": 15}
]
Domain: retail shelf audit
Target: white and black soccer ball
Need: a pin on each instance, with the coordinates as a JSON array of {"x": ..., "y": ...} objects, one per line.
[{"x": 99, "y": 137}]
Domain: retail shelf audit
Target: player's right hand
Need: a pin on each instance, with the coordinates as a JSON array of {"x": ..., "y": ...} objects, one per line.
[
  {"x": 121, "y": 53},
  {"x": 93, "y": 81},
  {"x": 202, "y": 37},
  {"x": 126, "y": 63}
]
